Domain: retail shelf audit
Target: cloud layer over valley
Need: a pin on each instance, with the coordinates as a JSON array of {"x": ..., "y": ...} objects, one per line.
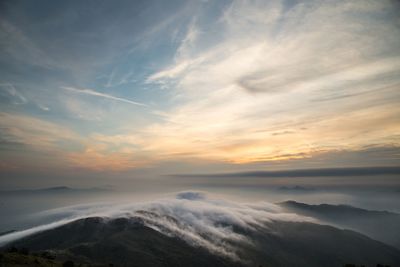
[{"x": 214, "y": 224}]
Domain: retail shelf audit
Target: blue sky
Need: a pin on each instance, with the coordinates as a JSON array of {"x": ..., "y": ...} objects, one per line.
[{"x": 127, "y": 86}]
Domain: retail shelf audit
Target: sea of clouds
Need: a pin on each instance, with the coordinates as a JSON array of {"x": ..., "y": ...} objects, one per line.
[{"x": 192, "y": 216}]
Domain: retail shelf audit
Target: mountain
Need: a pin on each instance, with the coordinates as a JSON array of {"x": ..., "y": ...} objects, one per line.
[
  {"x": 309, "y": 244},
  {"x": 130, "y": 241},
  {"x": 380, "y": 225},
  {"x": 20, "y": 259},
  {"x": 121, "y": 241}
]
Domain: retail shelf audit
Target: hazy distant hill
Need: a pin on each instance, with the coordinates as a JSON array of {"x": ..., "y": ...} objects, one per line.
[
  {"x": 380, "y": 225},
  {"x": 128, "y": 241},
  {"x": 55, "y": 190}
]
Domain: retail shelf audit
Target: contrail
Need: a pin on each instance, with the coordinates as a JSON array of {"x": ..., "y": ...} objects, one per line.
[{"x": 95, "y": 93}]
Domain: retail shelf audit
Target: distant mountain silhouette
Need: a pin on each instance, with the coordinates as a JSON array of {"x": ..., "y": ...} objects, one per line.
[
  {"x": 129, "y": 242},
  {"x": 380, "y": 225},
  {"x": 55, "y": 190}
]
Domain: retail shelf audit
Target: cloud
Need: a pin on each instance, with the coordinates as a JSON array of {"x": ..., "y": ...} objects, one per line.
[
  {"x": 263, "y": 68},
  {"x": 35, "y": 132},
  {"x": 30, "y": 143},
  {"x": 247, "y": 81},
  {"x": 5, "y": 239},
  {"x": 12, "y": 91},
  {"x": 192, "y": 216},
  {"x": 20, "y": 46},
  {"x": 98, "y": 94},
  {"x": 326, "y": 172},
  {"x": 42, "y": 107},
  {"x": 97, "y": 157}
]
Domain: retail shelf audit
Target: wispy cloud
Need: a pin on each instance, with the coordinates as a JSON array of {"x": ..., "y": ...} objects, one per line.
[
  {"x": 98, "y": 94},
  {"x": 29, "y": 142},
  {"x": 248, "y": 81},
  {"x": 263, "y": 74},
  {"x": 249, "y": 95},
  {"x": 34, "y": 132},
  {"x": 12, "y": 91}
]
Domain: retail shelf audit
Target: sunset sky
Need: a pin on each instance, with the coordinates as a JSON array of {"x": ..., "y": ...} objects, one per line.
[{"x": 154, "y": 88}]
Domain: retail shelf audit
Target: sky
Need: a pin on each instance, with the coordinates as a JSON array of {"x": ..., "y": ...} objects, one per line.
[{"x": 100, "y": 91}]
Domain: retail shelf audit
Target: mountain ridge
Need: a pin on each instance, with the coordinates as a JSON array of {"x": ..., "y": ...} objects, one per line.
[
  {"x": 379, "y": 225},
  {"x": 129, "y": 240}
]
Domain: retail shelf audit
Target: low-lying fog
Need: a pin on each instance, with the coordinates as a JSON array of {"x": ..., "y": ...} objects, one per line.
[{"x": 21, "y": 209}]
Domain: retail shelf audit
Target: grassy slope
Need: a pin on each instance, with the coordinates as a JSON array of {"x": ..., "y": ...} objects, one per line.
[{"x": 17, "y": 260}]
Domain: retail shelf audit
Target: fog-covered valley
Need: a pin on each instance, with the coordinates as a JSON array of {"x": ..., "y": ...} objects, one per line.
[{"x": 229, "y": 228}]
